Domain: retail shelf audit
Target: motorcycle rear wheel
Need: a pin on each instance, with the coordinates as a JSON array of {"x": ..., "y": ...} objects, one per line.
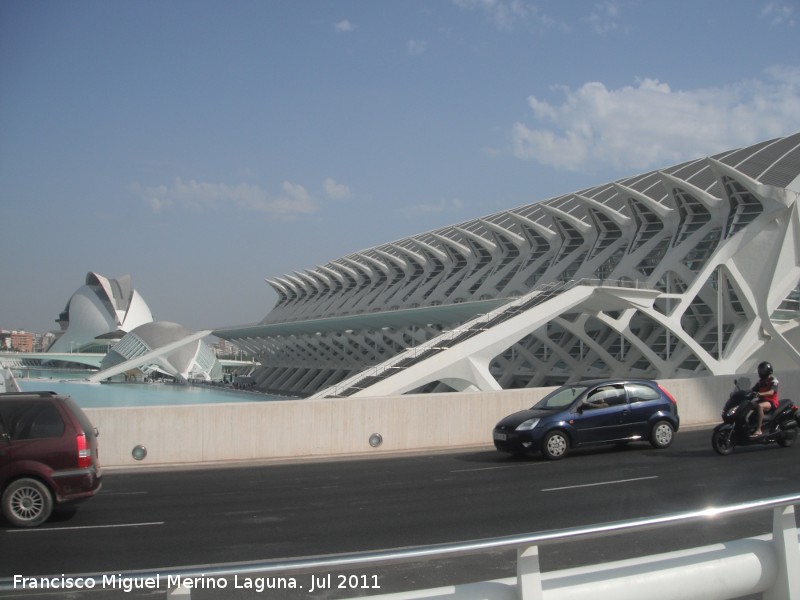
[
  {"x": 787, "y": 439},
  {"x": 723, "y": 440}
]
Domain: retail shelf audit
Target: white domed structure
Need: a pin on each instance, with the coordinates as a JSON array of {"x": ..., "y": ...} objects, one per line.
[
  {"x": 99, "y": 313},
  {"x": 166, "y": 348}
]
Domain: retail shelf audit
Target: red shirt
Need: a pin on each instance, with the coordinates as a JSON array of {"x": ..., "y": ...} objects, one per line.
[{"x": 770, "y": 384}]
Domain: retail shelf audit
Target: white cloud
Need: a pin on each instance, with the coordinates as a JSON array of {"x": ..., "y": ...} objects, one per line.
[
  {"x": 336, "y": 191},
  {"x": 650, "y": 124},
  {"x": 779, "y": 14},
  {"x": 205, "y": 197},
  {"x": 416, "y": 47},
  {"x": 605, "y": 17},
  {"x": 344, "y": 26},
  {"x": 295, "y": 200},
  {"x": 506, "y": 15}
]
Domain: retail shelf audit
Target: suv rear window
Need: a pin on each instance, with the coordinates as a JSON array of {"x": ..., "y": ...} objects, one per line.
[
  {"x": 76, "y": 411},
  {"x": 31, "y": 419}
]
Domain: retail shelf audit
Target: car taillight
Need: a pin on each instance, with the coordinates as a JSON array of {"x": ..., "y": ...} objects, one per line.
[
  {"x": 84, "y": 451},
  {"x": 668, "y": 395}
]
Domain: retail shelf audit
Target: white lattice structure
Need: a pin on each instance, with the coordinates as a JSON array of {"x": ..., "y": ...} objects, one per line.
[{"x": 689, "y": 270}]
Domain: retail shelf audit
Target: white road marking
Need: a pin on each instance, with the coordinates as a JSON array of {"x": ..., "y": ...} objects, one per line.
[
  {"x": 532, "y": 464},
  {"x": 39, "y": 529},
  {"x": 572, "y": 487}
]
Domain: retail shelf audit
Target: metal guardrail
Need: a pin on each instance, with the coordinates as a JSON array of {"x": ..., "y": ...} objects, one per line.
[{"x": 528, "y": 580}]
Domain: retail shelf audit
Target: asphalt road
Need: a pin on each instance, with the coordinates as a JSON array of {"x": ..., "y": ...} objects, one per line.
[{"x": 160, "y": 519}]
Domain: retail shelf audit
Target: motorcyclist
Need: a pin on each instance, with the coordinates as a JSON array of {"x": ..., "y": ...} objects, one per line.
[{"x": 766, "y": 391}]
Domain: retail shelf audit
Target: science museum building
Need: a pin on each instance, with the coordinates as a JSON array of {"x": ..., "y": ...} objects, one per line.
[{"x": 689, "y": 270}]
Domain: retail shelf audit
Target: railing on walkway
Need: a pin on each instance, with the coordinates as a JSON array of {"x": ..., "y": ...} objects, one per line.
[
  {"x": 768, "y": 565},
  {"x": 448, "y": 339}
]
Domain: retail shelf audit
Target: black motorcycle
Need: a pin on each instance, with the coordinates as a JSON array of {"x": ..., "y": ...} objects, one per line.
[{"x": 739, "y": 419}]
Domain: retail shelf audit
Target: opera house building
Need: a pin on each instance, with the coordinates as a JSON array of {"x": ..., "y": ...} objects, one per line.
[
  {"x": 99, "y": 313},
  {"x": 689, "y": 270},
  {"x": 107, "y": 329}
]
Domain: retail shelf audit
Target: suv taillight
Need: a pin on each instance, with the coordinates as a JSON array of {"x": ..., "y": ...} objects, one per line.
[{"x": 84, "y": 452}]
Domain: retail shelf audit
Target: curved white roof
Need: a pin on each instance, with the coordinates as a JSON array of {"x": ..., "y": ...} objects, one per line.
[
  {"x": 693, "y": 270},
  {"x": 184, "y": 361},
  {"x": 101, "y": 307}
]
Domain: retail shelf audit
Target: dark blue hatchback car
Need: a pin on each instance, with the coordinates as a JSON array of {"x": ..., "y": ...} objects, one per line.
[{"x": 609, "y": 411}]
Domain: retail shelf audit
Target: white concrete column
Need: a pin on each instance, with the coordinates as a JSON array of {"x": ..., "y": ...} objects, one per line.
[
  {"x": 529, "y": 577},
  {"x": 787, "y": 550}
]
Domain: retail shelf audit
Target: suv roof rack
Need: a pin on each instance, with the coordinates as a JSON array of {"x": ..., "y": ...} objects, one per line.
[{"x": 37, "y": 394}]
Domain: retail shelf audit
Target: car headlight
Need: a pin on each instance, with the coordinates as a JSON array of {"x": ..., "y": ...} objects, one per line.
[{"x": 528, "y": 425}]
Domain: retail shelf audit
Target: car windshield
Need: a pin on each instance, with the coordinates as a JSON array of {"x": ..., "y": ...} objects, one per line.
[{"x": 560, "y": 398}]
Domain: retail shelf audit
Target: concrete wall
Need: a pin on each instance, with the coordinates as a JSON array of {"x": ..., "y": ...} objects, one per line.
[
  {"x": 7, "y": 381},
  {"x": 338, "y": 427}
]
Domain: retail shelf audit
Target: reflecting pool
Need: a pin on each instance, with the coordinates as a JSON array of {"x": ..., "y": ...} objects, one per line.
[{"x": 96, "y": 395}]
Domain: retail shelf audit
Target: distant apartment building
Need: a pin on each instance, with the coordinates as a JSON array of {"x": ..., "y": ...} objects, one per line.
[
  {"x": 21, "y": 341},
  {"x": 47, "y": 341},
  {"x": 225, "y": 348}
]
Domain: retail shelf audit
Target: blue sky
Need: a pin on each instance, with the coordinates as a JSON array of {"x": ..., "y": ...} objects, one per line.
[{"x": 203, "y": 146}]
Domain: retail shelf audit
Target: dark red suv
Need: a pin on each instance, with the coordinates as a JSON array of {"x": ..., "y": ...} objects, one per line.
[{"x": 48, "y": 455}]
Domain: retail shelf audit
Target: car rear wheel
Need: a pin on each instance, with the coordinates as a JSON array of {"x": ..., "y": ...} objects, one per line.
[
  {"x": 661, "y": 434},
  {"x": 555, "y": 445},
  {"x": 27, "y": 503}
]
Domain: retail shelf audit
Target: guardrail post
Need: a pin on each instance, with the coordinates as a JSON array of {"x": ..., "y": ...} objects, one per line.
[
  {"x": 180, "y": 593},
  {"x": 787, "y": 550},
  {"x": 529, "y": 577}
]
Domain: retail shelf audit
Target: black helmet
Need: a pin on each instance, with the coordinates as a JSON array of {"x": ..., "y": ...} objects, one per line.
[{"x": 764, "y": 370}]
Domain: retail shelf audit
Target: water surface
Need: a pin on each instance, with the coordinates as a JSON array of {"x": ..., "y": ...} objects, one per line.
[{"x": 97, "y": 395}]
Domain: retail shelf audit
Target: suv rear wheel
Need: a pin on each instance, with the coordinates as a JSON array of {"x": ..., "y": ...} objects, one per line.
[{"x": 27, "y": 503}]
